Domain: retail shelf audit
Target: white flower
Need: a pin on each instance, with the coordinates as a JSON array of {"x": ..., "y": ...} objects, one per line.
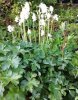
[
  {"x": 24, "y": 15},
  {"x": 51, "y": 9},
  {"x": 43, "y": 8},
  {"x": 42, "y": 22},
  {"x": 16, "y": 19},
  {"x": 10, "y": 28},
  {"x": 42, "y": 33},
  {"x": 48, "y": 15},
  {"x": 55, "y": 17},
  {"x": 29, "y": 31},
  {"x": 42, "y": 16},
  {"x": 34, "y": 17},
  {"x": 27, "y": 6},
  {"x": 21, "y": 21},
  {"x": 49, "y": 35}
]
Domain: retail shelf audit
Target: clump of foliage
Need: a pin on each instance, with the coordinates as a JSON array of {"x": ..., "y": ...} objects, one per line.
[
  {"x": 68, "y": 13},
  {"x": 33, "y": 71}
]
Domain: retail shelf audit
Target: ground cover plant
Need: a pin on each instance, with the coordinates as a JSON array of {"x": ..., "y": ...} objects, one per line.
[{"x": 38, "y": 59}]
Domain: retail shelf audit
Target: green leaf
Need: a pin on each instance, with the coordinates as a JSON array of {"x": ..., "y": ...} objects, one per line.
[
  {"x": 55, "y": 93},
  {"x": 5, "y": 66},
  {"x": 1, "y": 89},
  {"x": 35, "y": 66},
  {"x": 76, "y": 98},
  {"x": 15, "y": 61}
]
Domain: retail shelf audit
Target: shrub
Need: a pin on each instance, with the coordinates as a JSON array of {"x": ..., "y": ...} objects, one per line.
[{"x": 37, "y": 62}]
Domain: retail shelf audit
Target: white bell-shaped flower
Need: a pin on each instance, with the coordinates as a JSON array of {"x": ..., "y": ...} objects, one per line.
[
  {"x": 43, "y": 8},
  {"x": 29, "y": 31},
  {"x": 27, "y": 6},
  {"x": 42, "y": 16},
  {"x": 49, "y": 35},
  {"x": 51, "y": 9},
  {"x": 34, "y": 17},
  {"x": 24, "y": 15},
  {"x": 10, "y": 28},
  {"x": 48, "y": 15},
  {"x": 42, "y": 32},
  {"x": 42, "y": 22},
  {"x": 55, "y": 17}
]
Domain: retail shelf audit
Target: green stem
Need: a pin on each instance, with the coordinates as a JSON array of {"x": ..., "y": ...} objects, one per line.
[
  {"x": 12, "y": 37},
  {"x": 44, "y": 35},
  {"x": 30, "y": 37},
  {"x": 34, "y": 33},
  {"x": 48, "y": 30},
  {"x": 39, "y": 26},
  {"x": 21, "y": 30},
  {"x": 18, "y": 35},
  {"x": 51, "y": 25},
  {"x": 25, "y": 35}
]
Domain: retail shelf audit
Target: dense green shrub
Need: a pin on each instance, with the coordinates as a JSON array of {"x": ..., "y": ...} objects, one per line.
[{"x": 38, "y": 72}]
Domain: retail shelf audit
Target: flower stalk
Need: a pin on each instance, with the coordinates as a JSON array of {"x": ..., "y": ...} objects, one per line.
[
  {"x": 24, "y": 35},
  {"x": 39, "y": 26},
  {"x": 48, "y": 29}
]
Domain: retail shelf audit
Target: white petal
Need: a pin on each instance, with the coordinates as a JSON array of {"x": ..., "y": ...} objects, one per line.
[
  {"x": 34, "y": 17},
  {"x": 29, "y": 31},
  {"x": 10, "y": 28},
  {"x": 55, "y": 17},
  {"x": 48, "y": 15},
  {"x": 51, "y": 9},
  {"x": 42, "y": 22},
  {"x": 42, "y": 33},
  {"x": 49, "y": 35},
  {"x": 43, "y": 8}
]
